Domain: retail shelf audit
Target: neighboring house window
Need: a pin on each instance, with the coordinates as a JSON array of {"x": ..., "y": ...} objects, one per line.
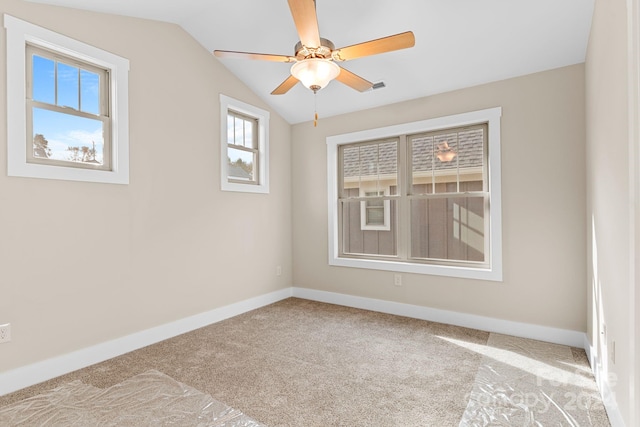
[
  {"x": 244, "y": 147},
  {"x": 68, "y": 107},
  {"x": 374, "y": 212},
  {"x": 422, "y": 197}
]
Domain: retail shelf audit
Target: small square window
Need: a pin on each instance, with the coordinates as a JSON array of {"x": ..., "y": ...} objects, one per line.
[
  {"x": 67, "y": 107},
  {"x": 375, "y": 213},
  {"x": 68, "y": 120}
]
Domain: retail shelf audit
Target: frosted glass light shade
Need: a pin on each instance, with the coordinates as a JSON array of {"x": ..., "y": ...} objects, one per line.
[{"x": 315, "y": 73}]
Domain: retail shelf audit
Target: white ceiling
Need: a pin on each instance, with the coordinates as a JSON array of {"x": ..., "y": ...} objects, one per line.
[{"x": 459, "y": 43}]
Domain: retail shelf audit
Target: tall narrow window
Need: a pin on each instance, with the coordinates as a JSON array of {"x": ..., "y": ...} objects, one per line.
[
  {"x": 447, "y": 193},
  {"x": 424, "y": 198},
  {"x": 244, "y": 147},
  {"x": 243, "y": 155},
  {"x": 369, "y": 170}
]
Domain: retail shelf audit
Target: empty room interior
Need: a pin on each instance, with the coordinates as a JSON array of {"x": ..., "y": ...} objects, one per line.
[{"x": 317, "y": 212}]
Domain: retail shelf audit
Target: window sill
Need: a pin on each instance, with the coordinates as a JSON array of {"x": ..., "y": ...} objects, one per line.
[
  {"x": 244, "y": 188},
  {"x": 492, "y": 274}
]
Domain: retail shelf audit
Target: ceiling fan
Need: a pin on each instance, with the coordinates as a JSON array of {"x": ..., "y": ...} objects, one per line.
[{"x": 314, "y": 61}]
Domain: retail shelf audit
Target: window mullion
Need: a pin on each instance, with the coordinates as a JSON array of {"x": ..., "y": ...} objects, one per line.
[
  {"x": 79, "y": 89},
  {"x": 55, "y": 82},
  {"x": 403, "y": 215},
  {"x": 458, "y": 162}
]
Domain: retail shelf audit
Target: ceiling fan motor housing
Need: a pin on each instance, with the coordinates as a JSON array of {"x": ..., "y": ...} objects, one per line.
[{"x": 324, "y": 51}]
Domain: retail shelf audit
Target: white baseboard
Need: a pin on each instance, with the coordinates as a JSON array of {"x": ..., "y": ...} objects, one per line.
[
  {"x": 608, "y": 397},
  {"x": 25, "y": 376},
  {"x": 489, "y": 324}
]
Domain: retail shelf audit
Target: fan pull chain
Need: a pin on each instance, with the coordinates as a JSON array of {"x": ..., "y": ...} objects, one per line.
[{"x": 315, "y": 109}]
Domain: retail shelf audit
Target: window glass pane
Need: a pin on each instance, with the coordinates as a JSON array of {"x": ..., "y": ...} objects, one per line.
[
  {"x": 449, "y": 228},
  {"x": 250, "y": 142},
  {"x": 375, "y": 213},
  {"x": 422, "y": 165},
  {"x": 44, "y": 85},
  {"x": 371, "y": 167},
  {"x": 445, "y": 151},
  {"x": 68, "y": 86},
  {"x": 230, "y": 130},
  {"x": 90, "y": 92},
  {"x": 241, "y": 164},
  {"x": 369, "y": 162},
  {"x": 471, "y": 154},
  {"x": 239, "y": 131},
  {"x": 445, "y": 162},
  {"x": 65, "y": 137},
  {"x": 351, "y": 171},
  {"x": 355, "y": 240}
]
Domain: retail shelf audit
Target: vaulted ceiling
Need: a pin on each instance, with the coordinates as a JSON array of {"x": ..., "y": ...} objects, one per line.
[{"x": 459, "y": 43}]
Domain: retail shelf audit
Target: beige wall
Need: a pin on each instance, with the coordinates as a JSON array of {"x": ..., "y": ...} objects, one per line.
[
  {"x": 610, "y": 222},
  {"x": 543, "y": 198},
  {"x": 83, "y": 263}
]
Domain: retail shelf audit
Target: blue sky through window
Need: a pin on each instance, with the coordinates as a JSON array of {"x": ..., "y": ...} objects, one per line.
[{"x": 77, "y": 90}]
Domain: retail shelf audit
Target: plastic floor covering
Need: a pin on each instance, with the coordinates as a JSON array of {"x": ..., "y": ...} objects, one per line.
[
  {"x": 530, "y": 383},
  {"x": 148, "y": 399}
]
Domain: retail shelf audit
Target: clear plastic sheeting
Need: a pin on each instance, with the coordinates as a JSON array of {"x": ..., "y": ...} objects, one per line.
[
  {"x": 527, "y": 383},
  {"x": 148, "y": 399}
]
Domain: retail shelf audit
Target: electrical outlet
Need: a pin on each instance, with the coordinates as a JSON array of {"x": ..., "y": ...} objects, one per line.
[
  {"x": 279, "y": 270},
  {"x": 5, "y": 332},
  {"x": 397, "y": 279}
]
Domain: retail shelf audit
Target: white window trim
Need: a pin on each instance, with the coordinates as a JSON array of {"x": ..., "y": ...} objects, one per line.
[
  {"x": 19, "y": 33},
  {"x": 490, "y": 116},
  {"x": 226, "y": 104}
]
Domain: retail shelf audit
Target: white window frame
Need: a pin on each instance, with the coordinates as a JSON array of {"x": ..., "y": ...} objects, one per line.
[
  {"x": 19, "y": 34},
  {"x": 262, "y": 185},
  {"x": 490, "y": 116}
]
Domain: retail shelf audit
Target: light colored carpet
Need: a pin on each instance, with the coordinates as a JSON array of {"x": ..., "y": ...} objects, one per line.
[
  {"x": 302, "y": 363},
  {"x": 148, "y": 399}
]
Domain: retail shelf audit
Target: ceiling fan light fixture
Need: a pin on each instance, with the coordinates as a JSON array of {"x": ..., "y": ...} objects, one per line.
[{"x": 315, "y": 73}]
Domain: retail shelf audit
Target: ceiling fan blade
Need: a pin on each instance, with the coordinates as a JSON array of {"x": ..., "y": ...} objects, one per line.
[
  {"x": 256, "y": 56},
  {"x": 306, "y": 20},
  {"x": 374, "y": 47},
  {"x": 285, "y": 86},
  {"x": 353, "y": 80}
]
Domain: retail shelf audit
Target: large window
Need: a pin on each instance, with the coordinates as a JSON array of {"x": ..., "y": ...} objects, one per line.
[
  {"x": 422, "y": 197},
  {"x": 244, "y": 147},
  {"x": 67, "y": 107}
]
